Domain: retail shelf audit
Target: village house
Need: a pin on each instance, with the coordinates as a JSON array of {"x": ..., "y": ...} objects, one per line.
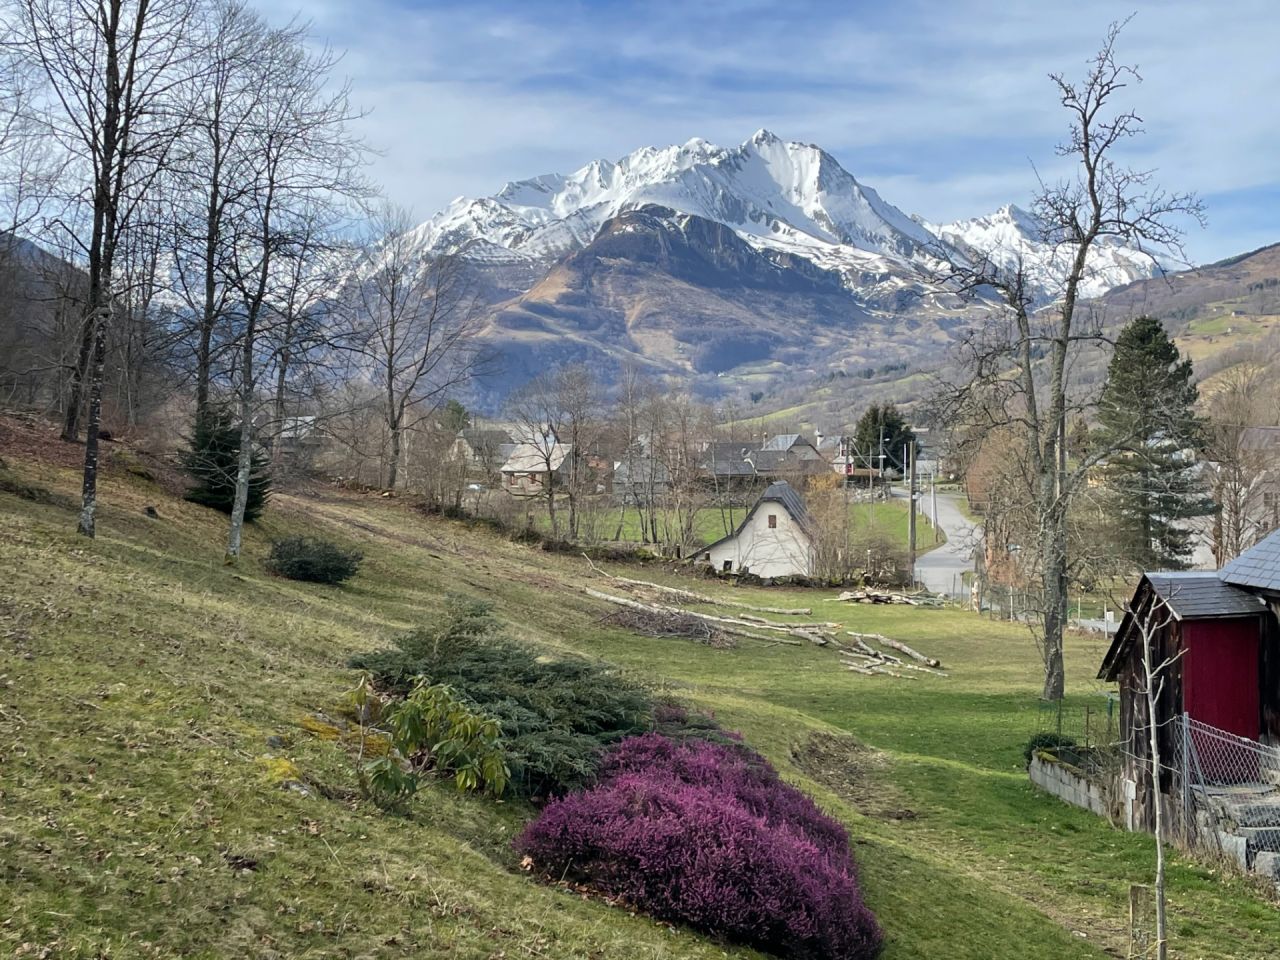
[
  {"x": 483, "y": 449},
  {"x": 775, "y": 539},
  {"x": 533, "y": 466},
  {"x": 732, "y": 464}
]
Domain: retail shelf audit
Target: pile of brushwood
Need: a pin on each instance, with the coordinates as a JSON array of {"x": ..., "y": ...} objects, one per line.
[{"x": 707, "y": 834}]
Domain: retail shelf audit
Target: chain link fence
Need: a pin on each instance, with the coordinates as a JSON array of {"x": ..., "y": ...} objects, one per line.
[{"x": 1224, "y": 793}]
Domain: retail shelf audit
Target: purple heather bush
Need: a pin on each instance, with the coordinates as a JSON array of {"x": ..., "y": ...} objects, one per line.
[{"x": 707, "y": 834}]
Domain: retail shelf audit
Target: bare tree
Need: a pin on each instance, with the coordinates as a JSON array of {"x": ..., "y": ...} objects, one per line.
[
  {"x": 1246, "y": 460},
  {"x": 414, "y": 324},
  {"x": 1150, "y": 623},
  {"x": 536, "y": 410},
  {"x": 113, "y": 69},
  {"x": 580, "y": 404},
  {"x": 225, "y": 105},
  {"x": 302, "y": 153},
  {"x": 1018, "y": 368}
]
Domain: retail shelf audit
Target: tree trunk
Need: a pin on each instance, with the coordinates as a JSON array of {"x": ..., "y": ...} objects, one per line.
[
  {"x": 394, "y": 465},
  {"x": 75, "y": 397},
  {"x": 551, "y": 502},
  {"x": 244, "y": 466},
  {"x": 89, "y": 485}
]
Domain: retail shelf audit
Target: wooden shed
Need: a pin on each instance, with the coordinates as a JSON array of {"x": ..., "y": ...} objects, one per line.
[{"x": 1217, "y": 633}]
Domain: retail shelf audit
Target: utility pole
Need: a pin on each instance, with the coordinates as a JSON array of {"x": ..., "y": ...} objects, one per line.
[
  {"x": 909, "y": 458},
  {"x": 933, "y": 496}
]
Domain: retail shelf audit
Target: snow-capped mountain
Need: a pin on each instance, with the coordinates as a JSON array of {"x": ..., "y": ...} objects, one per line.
[
  {"x": 1012, "y": 235},
  {"x": 781, "y": 196},
  {"x": 722, "y": 266}
]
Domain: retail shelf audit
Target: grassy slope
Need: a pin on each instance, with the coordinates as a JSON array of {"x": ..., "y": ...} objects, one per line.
[{"x": 142, "y": 678}]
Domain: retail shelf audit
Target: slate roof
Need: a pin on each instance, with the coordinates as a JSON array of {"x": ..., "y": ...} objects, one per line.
[
  {"x": 782, "y": 441},
  {"x": 724, "y": 458},
  {"x": 1190, "y": 595},
  {"x": 645, "y": 469},
  {"x": 1258, "y": 568},
  {"x": 1201, "y": 595}
]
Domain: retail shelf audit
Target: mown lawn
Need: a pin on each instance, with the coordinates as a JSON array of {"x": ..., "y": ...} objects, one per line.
[
  {"x": 156, "y": 707},
  {"x": 888, "y": 519}
]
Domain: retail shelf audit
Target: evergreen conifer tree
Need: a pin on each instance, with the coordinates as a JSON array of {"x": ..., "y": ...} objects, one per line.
[
  {"x": 212, "y": 462},
  {"x": 1147, "y": 418},
  {"x": 882, "y": 429}
]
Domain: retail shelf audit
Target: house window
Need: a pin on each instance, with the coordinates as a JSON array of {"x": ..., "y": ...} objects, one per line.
[
  {"x": 728, "y": 566},
  {"x": 773, "y": 521}
]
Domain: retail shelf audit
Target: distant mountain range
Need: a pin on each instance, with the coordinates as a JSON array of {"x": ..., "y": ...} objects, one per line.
[{"x": 737, "y": 262}]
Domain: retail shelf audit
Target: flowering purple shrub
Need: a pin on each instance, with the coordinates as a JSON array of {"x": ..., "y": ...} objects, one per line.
[{"x": 707, "y": 834}]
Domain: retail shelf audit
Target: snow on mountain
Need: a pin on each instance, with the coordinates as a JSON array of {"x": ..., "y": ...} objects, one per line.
[
  {"x": 1011, "y": 234},
  {"x": 777, "y": 195}
]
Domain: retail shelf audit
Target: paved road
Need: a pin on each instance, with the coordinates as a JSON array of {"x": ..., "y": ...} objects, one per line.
[{"x": 942, "y": 570}]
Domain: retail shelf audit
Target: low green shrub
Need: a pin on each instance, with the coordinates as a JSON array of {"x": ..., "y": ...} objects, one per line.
[
  {"x": 434, "y": 730},
  {"x": 1046, "y": 741},
  {"x": 312, "y": 560},
  {"x": 558, "y": 714}
]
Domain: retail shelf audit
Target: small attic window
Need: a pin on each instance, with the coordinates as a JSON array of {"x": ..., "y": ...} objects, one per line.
[{"x": 773, "y": 521}]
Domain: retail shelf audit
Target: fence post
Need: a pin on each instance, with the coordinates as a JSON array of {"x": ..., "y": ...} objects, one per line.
[
  {"x": 1088, "y": 716},
  {"x": 1188, "y": 811}
]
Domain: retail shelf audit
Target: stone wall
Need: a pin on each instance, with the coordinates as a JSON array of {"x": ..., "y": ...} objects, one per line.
[{"x": 1067, "y": 783}]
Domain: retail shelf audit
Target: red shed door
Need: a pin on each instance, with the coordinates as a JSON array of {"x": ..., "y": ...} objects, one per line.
[{"x": 1220, "y": 674}]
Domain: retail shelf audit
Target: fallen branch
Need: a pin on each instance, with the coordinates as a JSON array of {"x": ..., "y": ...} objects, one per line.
[
  {"x": 806, "y": 634},
  {"x": 688, "y": 596}
]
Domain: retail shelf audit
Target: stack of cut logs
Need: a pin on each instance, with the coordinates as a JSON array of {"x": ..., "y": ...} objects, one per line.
[{"x": 665, "y": 614}]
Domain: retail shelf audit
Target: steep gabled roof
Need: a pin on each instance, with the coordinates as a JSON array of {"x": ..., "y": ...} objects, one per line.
[
  {"x": 1258, "y": 568},
  {"x": 778, "y": 492}
]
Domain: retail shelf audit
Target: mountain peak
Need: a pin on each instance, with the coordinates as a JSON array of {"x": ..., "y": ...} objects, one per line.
[{"x": 763, "y": 136}]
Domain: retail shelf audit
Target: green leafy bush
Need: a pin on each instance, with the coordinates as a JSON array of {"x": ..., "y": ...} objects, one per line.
[
  {"x": 213, "y": 461},
  {"x": 433, "y": 729},
  {"x": 313, "y": 560},
  {"x": 557, "y": 714},
  {"x": 1046, "y": 741}
]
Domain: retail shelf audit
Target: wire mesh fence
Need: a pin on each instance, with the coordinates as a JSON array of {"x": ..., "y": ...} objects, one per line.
[
  {"x": 1222, "y": 791},
  {"x": 1085, "y": 734}
]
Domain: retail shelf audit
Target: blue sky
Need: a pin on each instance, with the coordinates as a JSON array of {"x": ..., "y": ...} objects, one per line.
[{"x": 943, "y": 107}]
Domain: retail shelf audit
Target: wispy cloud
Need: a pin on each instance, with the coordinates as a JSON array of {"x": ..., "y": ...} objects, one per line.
[{"x": 943, "y": 107}]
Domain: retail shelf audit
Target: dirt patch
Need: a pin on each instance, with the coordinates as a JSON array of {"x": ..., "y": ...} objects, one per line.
[{"x": 853, "y": 772}]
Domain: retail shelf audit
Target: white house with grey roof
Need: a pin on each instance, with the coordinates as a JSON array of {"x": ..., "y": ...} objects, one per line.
[{"x": 775, "y": 539}]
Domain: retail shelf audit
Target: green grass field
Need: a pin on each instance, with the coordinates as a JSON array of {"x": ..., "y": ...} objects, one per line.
[
  {"x": 144, "y": 811},
  {"x": 711, "y": 523}
]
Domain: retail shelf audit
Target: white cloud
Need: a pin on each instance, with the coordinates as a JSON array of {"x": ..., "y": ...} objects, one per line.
[{"x": 941, "y": 107}]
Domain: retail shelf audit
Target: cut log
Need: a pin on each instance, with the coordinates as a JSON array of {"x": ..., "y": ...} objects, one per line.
[
  {"x": 861, "y": 638},
  {"x": 913, "y": 654}
]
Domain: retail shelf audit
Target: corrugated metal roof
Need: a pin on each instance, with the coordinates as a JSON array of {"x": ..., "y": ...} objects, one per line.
[
  {"x": 1258, "y": 568},
  {"x": 785, "y": 494},
  {"x": 1200, "y": 595}
]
